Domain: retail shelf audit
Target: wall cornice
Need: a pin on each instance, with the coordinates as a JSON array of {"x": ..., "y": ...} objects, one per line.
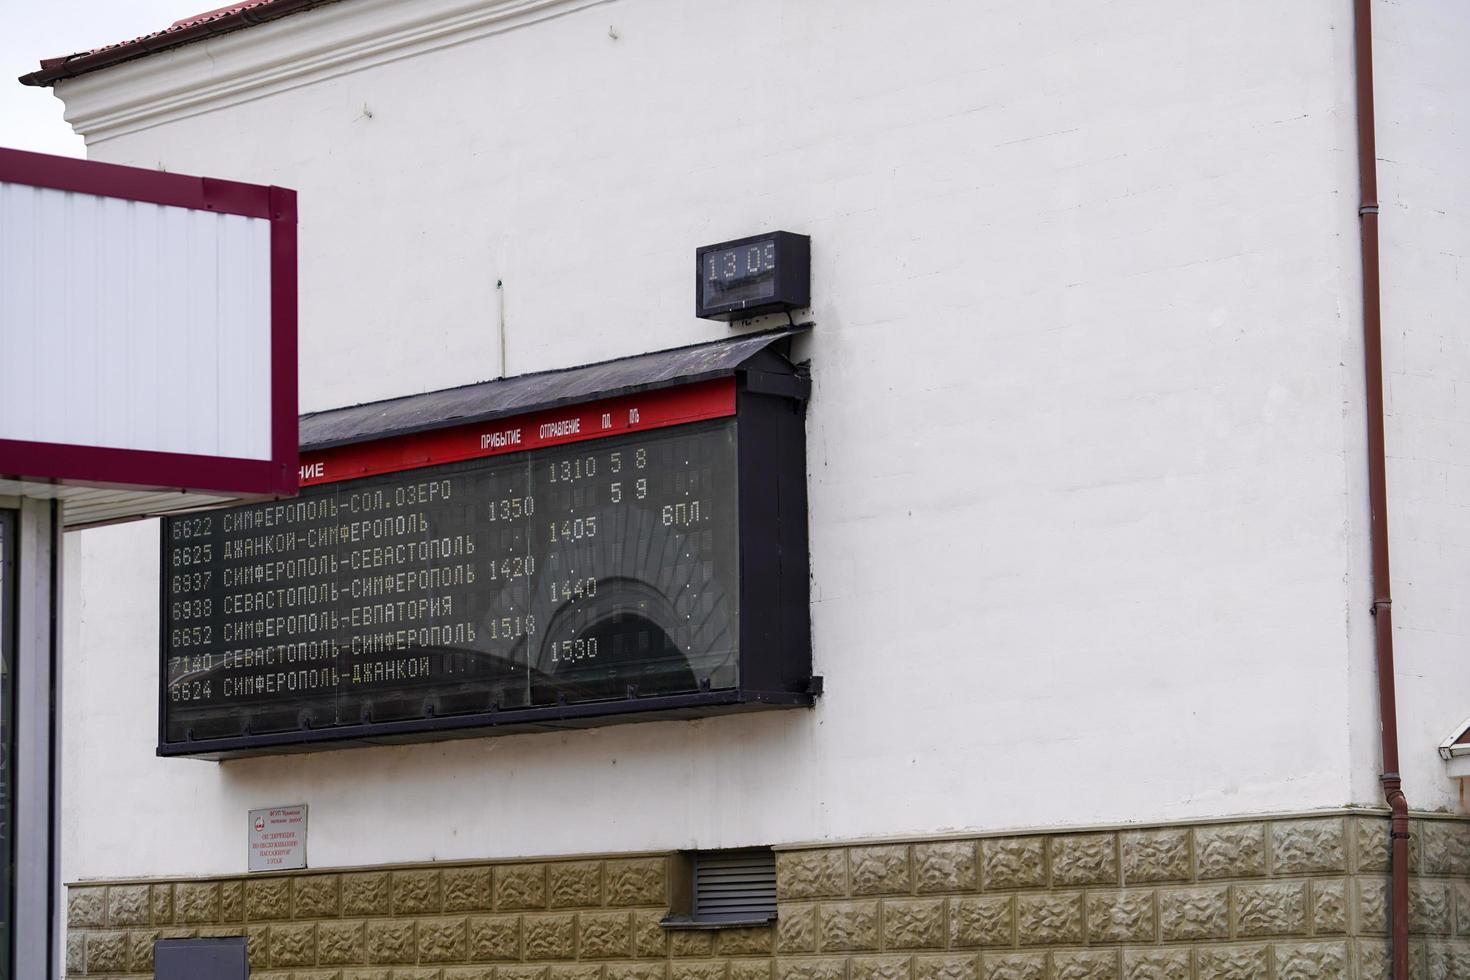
[{"x": 284, "y": 54}]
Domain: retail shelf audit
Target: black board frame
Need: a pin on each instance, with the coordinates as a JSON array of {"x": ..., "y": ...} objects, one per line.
[{"x": 775, "y": 612}]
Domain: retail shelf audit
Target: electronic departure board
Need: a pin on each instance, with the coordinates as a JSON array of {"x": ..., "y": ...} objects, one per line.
[{"x": 577, "y": 564}]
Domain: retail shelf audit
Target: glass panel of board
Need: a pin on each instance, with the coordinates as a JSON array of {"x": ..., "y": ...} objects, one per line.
[{"x": 574, "y": 574}]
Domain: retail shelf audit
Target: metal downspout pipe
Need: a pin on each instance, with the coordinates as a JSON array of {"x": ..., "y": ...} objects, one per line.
[{"x": 1378, "y": 492}]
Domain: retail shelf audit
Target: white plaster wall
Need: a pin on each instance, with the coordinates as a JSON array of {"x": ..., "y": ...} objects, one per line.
[
  {"x": 1423, "y": 101},
  {"x": 1083, "y": 448}
]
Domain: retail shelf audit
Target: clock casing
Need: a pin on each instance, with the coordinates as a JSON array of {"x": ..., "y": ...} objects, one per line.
[{"x": 750, "y": 277}]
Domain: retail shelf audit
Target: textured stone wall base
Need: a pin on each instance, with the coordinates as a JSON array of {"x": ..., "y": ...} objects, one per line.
[{"x": 1288, "y": 899}]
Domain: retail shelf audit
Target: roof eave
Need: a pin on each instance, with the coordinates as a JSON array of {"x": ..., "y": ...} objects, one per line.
[{"x": 53, "y": 70}]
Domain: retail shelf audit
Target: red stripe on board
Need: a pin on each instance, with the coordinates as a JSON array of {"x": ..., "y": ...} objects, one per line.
[{"x": 553, "y": 427}]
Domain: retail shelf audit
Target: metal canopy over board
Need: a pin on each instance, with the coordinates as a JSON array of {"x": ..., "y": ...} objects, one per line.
[{"x": 527, "y": 393}]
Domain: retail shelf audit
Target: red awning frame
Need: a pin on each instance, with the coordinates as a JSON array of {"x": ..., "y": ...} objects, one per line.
[{"x": 133, "y": 469}]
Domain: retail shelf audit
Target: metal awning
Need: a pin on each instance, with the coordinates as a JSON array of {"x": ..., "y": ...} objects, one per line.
[{"x": 546, "y": 389}]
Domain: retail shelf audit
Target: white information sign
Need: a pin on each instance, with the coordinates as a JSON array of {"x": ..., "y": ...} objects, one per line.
[{"x": 277, "y": 838}]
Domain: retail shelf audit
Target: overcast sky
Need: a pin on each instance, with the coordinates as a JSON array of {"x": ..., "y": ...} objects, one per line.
[{"x": 30, "y": 118}]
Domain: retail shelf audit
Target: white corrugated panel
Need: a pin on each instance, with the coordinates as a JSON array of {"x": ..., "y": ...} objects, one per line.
[
  {"x": 133, "y": 325},
  {"x": 88, "y": 506}
]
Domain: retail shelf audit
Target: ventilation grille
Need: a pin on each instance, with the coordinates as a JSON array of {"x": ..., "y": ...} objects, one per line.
[{"x": 735, "y": 886}]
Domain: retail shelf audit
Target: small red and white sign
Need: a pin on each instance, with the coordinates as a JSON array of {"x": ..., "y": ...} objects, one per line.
[{"x": 277, "y": 839}]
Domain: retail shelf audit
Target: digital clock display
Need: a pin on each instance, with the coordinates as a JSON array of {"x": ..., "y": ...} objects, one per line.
[
  {"x": 744, "y": 274},
  {"x": 753, "y": 276}
]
